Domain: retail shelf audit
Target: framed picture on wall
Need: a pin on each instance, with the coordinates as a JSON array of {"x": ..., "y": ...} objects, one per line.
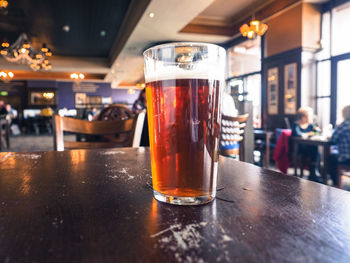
[
  {"x": 80, "y": 100},
  {"x": 42, "y": 97},
  {"x": 272, "y": 91},
  {"x": 290, "y": 88}
]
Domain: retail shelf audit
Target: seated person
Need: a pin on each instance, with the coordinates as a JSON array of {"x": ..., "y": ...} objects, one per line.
[
  {"x": 139, "y": 105},
  {"x": 46, "y": 112},
  {"x": 341, "y": 138},
  {"x": 3, "y": 111},
  {"x": 12, "y": 113},
  {"x": 303, "y": 128}
]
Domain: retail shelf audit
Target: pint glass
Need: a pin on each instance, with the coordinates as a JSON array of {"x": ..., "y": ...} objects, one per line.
[{"x": 184, "y": 83}]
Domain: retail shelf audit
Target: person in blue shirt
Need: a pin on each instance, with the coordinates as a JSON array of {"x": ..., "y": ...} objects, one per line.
[
  {"x": 341, "y": 138},
  {"x": 305, "y": 128}
]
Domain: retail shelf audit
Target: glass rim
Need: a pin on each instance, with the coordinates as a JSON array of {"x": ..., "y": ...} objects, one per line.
[{"x": 182, "y": 44}]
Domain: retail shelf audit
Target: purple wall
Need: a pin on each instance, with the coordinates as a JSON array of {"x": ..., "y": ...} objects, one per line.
[
  {"x": 122, "y": 95},
  {"x": 66, "y": 96}
]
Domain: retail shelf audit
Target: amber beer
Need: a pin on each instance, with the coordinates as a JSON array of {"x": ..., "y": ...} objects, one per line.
[
  {"x": 184, "y": 122},
  {"x": 184, "y": 83}
]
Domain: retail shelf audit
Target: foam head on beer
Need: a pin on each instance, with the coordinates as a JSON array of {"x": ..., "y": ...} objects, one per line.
[{"x": 183, "y": 62}]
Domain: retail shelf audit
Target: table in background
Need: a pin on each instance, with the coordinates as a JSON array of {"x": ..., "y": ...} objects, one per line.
[
  {"x": 324, "y": 143},
  {"x": 266, "y": 137},
  {"x": 97, "y": 206}
]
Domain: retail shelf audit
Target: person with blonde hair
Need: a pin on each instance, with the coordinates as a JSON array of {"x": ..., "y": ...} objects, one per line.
[
  {"x": 341, "y": 138},
  {"x": 308, "y": 153}
]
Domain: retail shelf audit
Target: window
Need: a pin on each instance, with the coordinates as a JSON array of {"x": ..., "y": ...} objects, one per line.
[
  {"x": 340, "y": 29},
  {"x": 244, "y": 58},
  {"x": 244, "y": 76},
  {"x": 323, "y": 99},
  {"x": 326, "y": 37},
  {"x": 253, "y": 88},
  {"x": 343, "y": 90},
  {"x": 335, "y": 50},
  {"x": 324, "y": 78},
  {"x": 248, "y": 88}
]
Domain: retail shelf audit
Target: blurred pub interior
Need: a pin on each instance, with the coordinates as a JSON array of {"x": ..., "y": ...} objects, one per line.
[{"x": 83, "y": 56}]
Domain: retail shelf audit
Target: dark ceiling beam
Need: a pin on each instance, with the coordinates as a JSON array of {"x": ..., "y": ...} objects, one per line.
[
  {"x": 132, "y": 17},
  {"x": 233, "y": 29}
]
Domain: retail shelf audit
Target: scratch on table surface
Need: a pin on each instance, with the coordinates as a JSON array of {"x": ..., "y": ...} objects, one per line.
[
  {"x": 335, "y": 238},
  {"x": 164, "y": 231},
  {"x": 32, "y": 156},
  {"x": 185, "y": 241},
  {"x": 130, "y": 177},
  {"x": 123, "y": 171}
]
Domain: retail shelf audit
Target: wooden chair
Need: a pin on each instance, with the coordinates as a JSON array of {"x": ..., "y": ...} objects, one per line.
[
  {"x": 115, "y": 112},
  {"x": 343, "y": 170},
  {"x": 131, "y": 127},
  {"x": 232, "y": 130}
]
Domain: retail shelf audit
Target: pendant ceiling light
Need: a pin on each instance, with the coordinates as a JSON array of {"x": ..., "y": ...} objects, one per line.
[
  {"x": 6, "y": 76},
  {"x": 255, "y": 28}
]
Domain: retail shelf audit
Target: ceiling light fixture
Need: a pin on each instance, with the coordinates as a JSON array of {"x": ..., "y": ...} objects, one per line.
[
  {"x": 151, "y": 15},
  {"x": 48, "y": 95},
  {"x": 66, "y": 28},
  {"x": 131, "y": 91},
  {"x": 23, "y": 52},
  {"x": 77, "y": 76},
  {"x": 254, "y": 29},
  {"x": 3, "y": 4},
  {"x": 6, "y": 76},
  {"x": 3, "y": 7}
]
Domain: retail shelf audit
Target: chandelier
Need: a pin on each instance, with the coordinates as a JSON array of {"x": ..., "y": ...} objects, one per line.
[
  {"x": 23, "y": 52},
  {"x": 3, "y": 7},
  {"x": 3, "y": 3},
  {"x": 254, "y": 29}
]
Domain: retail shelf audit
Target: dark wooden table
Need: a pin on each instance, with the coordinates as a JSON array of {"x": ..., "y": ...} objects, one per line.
[
  {"x": 324, "y": 143},
  {"x": 97, "y": 206}
]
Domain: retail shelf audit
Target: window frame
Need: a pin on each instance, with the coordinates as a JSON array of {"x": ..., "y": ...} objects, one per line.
[
  {"x": 238, "y": 41},
  {"x": 328, "y": 7}
]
